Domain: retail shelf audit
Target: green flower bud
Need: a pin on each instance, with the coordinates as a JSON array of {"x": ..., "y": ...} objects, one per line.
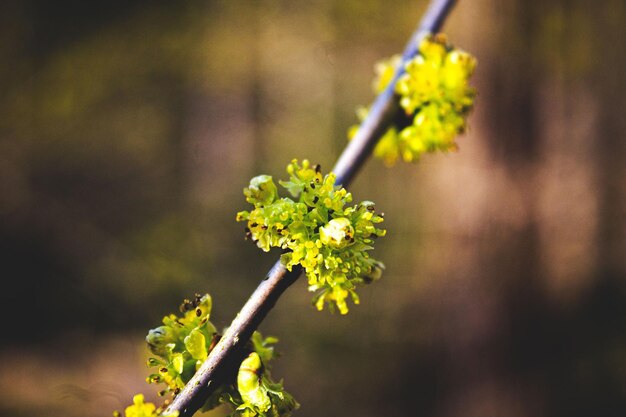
[
  {"x": 261, "y": 191},
  {"x": 374, "y": 274},
  {"x": 158, "y": 340},
  {"x": 338, "y": 233},
  {"x": 249, "y": 383}
]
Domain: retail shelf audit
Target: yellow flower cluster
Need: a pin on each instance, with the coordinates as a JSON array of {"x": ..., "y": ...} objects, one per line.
[
  {"x": 435, "y": 96},
  {"x": 329, "y": 240}
]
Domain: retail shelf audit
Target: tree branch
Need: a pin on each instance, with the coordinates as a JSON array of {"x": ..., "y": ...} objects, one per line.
[{"x": 222, "y": 360}]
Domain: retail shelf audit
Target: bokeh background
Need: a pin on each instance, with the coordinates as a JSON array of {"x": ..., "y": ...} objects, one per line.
[{"x": 129, "y": 128}]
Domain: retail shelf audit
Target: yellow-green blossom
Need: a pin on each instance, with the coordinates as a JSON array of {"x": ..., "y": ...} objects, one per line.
[
  {"x": 317, "y": 231},
  {"x": 183, "y": 342},
  {"x": 435, "y": 95}
]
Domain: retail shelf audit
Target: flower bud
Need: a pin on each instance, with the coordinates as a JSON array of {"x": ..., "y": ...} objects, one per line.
[
  {"x": 338, "y": 233},
  {"x": 261, "y": 191}
]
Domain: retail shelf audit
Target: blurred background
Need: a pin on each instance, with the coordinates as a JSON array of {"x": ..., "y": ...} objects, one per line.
[{"x": 128, "y": 130}]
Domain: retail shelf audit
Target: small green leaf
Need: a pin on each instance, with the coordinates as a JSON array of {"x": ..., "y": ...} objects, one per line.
[
  {"x": 178, "y": 362},
  {"x": 261, "y": 191},
  {"x": 196, "y": 345}
]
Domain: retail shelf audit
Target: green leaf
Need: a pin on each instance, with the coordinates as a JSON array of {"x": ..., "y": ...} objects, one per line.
[
  {"x": 196, "y": 345},
  {"x": 178, "y": 362}
]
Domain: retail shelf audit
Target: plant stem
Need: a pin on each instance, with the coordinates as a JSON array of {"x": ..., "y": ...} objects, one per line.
[{"x": 221, "y": 363}]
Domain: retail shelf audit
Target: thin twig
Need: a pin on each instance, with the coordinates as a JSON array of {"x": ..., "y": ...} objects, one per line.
[{"x": 220, "y": 361}]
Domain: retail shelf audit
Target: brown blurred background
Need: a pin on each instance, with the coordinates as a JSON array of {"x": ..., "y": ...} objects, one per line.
[{"x": 129, "y": 128}]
